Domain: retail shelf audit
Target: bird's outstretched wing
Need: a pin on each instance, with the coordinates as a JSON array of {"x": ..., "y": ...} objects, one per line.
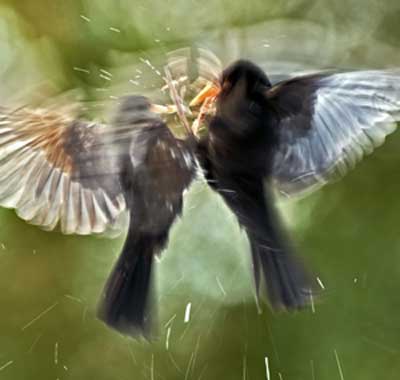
[
  {"x": 329, "y": 122},
  {"x": 57, "y": 170}
]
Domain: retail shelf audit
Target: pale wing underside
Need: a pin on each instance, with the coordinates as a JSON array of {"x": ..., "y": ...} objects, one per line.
[
  {"x": 41, "y": 179},
  {"x": 329, "y": 123}
]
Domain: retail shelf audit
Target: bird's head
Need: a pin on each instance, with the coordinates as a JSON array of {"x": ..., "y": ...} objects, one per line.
[
  {"x": 137, "y": 110},
  {"x": 239, "y": 95},
  {"x": 243, "y": 78}
]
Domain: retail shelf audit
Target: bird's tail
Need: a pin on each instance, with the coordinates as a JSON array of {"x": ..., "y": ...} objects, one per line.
[
  {"x": 287, "y": 282},
  {"x": 125, "y": 304}
]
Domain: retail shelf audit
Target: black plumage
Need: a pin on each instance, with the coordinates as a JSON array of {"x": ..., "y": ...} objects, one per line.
[
  {"x": 295, "y": 136},
  {"x": 238, "y": 155}
]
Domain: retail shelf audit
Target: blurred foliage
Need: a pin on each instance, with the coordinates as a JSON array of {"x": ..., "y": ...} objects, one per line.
[{"x": 348, "y": 232}]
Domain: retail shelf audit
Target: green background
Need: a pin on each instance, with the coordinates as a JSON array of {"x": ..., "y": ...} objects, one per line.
[{"x": 347, "y": 232}]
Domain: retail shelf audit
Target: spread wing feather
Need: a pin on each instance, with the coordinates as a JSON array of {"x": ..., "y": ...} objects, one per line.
[
  {"x": 55, "y": 170},
  {"x": 329, "y": 122}
]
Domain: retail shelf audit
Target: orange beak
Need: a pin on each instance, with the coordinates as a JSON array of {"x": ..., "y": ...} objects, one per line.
[{"x": 211, "y": 90}]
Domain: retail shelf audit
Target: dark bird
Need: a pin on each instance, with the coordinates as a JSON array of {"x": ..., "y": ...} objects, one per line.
[{"x": 295, "y": 136}]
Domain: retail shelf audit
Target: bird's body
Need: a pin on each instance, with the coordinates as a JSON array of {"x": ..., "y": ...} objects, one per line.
[
  {"x": 294, "y": 136},
  {"x": 155, "y": 171},
  {"x": 239, "y": 150}
]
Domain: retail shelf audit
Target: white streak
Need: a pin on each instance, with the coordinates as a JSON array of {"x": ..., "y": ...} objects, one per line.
[
  {"x": 76, "y": 299},
  {"x": 105, "y": 77},
  {"x": 312, "y": 303},
  {"x": 220, "y": 286},
  {"x": 105, "y": 72},
  {"x": 167, "y": 338},
  {"x": 4, "y": 366},
  {"x": 267, "y": 373},
  {"x": 170, "y": 321},
  {"x": 39, "y": 316},
  {"x": 132, "y": 354},
  {"x": 152, "y": 367},
  {"x": 80, "y": 69},
  {"x": 320, "y": 283},
  {"x": 338, "y": 365},
  {"x": 189, "y": 367},
  {"x": 187, "y": 312},
  {"x": 83, "y": 17},
  {"x": 56, "y": 353},
  {"x": 116, "y": 30},
  {"x": 35, "y": 342}
]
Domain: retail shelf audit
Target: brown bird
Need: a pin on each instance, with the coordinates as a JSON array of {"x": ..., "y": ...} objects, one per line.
[{"x": 85, "y": 177}]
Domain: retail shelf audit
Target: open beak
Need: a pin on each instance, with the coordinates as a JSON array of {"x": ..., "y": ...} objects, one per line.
[{"x": 210, "y": 91}]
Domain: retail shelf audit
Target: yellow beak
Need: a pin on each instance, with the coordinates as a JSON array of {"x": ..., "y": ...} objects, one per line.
[{"x": 209, "y": 91}]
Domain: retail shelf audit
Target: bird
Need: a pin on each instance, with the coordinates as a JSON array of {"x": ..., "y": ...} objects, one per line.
[
  {"x": 261, "y": 141},
  {"x": 293, "y": 136},
  {"x": 86, "y": 178}
]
